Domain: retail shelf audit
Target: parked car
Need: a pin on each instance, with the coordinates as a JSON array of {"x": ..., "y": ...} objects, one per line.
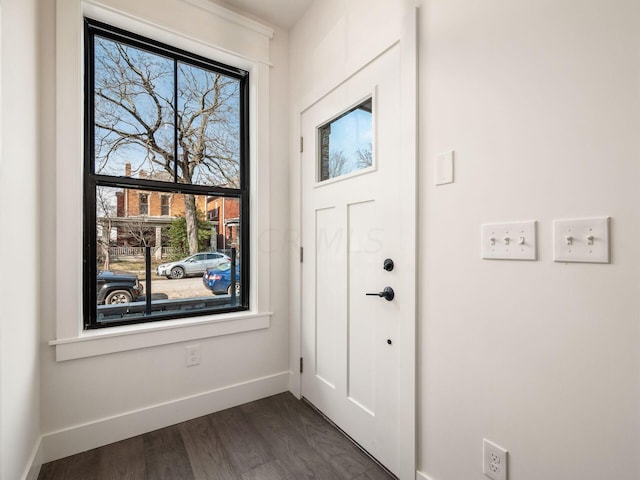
[
  {"x": 194, "y": 265},
  {"x": 218, "y": 279},
  {"x": 115, "y": 287}
]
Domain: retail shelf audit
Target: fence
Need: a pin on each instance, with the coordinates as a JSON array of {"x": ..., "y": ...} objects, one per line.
[
  {"x": 122, "y": 253},
  {"x": 117, "y": 253}
]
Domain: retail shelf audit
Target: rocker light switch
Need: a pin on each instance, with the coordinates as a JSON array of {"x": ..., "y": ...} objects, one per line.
[
  {"x": 584, "y": 240},
  {"x": 509, "y": 241}
]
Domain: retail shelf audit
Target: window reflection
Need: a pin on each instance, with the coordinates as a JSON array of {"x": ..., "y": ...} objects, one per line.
[{"x": 346, "y": 142}]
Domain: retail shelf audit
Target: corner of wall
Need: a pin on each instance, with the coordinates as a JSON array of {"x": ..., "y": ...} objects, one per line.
[{"x": 35, "y": 462}]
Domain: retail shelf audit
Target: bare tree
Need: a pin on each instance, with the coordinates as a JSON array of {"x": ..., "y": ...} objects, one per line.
[
  {"x": 139, "y": 118},
  {"x": 138, "y": 230},
  {"x": 106, "y": 212},
  {"x": 364, "y": 157},
  {"x": 337, "y": 164}
]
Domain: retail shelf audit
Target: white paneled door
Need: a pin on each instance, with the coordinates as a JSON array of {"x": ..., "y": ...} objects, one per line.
[{"x": 354, "y": 189}]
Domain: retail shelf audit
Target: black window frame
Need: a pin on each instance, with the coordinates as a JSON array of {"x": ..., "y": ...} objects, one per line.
[{"x": 92, "y": 180}]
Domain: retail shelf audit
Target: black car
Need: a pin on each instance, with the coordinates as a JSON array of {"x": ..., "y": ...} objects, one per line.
[{"x": 114, "y": 287}]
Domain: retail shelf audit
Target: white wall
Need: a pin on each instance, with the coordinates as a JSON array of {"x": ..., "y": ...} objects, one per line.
[
  {"x": 93, "y": 400},
  {"x": 19, "y": 239},
  {"x": 541, "y": 102}
]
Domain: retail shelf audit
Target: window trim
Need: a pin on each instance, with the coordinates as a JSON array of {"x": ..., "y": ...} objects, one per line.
[
  {"x": 92, "y": 180},
  {"x": 70, "y": 340}
]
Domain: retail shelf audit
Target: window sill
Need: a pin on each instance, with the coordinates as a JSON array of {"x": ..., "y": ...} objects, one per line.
[{"x": 131, "y": 337}]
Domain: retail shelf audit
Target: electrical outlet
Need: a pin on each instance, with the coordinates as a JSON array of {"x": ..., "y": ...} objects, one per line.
[
  {"x": 494, "y": 460},
  {"x": 192, "y": 355}
]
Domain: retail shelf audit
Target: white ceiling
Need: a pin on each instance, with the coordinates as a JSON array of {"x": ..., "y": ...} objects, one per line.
[{"x": 283, "y": 13}]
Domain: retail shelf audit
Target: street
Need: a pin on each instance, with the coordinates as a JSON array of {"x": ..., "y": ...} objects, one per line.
[{"x": 182, "y": 288}]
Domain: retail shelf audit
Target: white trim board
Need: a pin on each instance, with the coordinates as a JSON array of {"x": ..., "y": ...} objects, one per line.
[
  {"x": 423, "y": 476},
  {"x": 230, "y": 55},
  {"x": 120, "y": 339},
  {"x": 35, "y": 462},
  {"x": 80, "y": 438},
  {"x": 409, "y": 331},
  {"x": 233, "y": 17}
]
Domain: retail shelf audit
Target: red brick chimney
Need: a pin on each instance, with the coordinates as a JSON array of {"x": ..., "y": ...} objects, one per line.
[{"x": 127, "y": 169}]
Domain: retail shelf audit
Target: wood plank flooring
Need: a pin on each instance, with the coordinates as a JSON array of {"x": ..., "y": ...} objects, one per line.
[{"x": 274, "y": 438}]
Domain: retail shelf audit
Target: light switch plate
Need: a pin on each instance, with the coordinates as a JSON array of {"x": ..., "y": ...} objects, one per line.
[
  {"x": 509, "y": 241},
  {"x": 584, "y": 240},
  {"x": 444, "y": 168}
]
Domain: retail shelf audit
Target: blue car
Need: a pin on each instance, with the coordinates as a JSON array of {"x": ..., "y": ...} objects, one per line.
[{"x": 218, "y": 279}]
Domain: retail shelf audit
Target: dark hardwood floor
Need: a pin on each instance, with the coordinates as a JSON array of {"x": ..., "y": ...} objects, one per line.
[{"x": 274, "y": 438}]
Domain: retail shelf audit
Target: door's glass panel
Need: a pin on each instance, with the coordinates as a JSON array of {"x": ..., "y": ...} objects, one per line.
[
  {"x": 191, "y": 253},
  {"x": 345, "y": 143}
]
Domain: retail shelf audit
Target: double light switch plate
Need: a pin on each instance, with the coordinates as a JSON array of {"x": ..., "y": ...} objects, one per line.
[{"x": 584, "y": 240}]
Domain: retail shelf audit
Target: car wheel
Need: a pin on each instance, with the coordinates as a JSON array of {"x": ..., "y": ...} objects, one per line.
[
  {"x": 177, "y": 272},
  {"x": 118, "y": 296}
]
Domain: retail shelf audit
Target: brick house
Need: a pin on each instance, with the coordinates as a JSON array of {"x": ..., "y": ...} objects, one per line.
[
  {"x": 142, "y": 217},
  {"x": 224, "y": 214}
]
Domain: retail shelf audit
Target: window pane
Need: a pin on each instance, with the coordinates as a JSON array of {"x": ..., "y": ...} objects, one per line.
[
  {"x": 208, "y": 128},
  {"x": 185, "y": 276},
  {"x": 143, "y": 204},
  {"x": 345, "y": 143},
  {"x": 134, "y": 116},
  {"x": 164, "y": 205}
]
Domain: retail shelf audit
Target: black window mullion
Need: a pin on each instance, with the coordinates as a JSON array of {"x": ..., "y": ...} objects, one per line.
[
  {"x": 175, "y": 120},
  {"x": 159, "y": 186},
  {"x": 89, "y": 268},
  {"x": 90, "y": 248},
  {"x": 245, "y": 207}
]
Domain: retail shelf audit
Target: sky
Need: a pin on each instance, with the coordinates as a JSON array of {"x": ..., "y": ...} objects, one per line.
[{"x": 350, "y": 133}]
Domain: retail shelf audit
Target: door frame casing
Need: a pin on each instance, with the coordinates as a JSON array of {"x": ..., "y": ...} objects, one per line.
[{"x": 407, "y": 395}]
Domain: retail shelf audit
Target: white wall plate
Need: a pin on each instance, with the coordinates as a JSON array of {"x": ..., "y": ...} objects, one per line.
[
  {"x": 444, "y": 168},
  {"x": 583, "y": 240},
  {"x": 509, "y": 241}
]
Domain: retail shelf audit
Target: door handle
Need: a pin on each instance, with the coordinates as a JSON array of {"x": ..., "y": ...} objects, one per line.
[{"x": 387, "y": 294}]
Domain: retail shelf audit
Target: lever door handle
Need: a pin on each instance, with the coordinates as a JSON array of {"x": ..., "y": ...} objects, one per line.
[{"x": 387, "y": 294}]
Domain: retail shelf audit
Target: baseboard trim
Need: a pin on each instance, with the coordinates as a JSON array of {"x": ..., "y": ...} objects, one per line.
[
  {"x": 35, "y": 462},
  {"x": 80, "y": 438},
  {"x": 294, "y": 384},
  {"x": 422, "y": 476}
]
